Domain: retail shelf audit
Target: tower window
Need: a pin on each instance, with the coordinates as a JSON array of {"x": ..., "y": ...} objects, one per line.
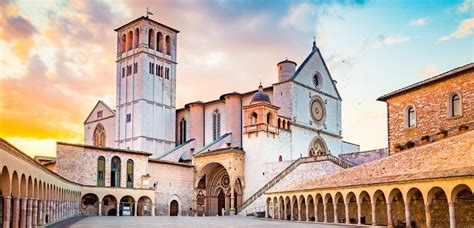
[
  {"x": 135, "y": 68},
  {"x": 159, "y": 42},
  {"x": 216, "y": 125},
  {"x": 123, "y": 72},
  {"x": 168, "y": 45},
  {"x": 99, "y": 114},
  {"x": 129, "y": 118},
  {"x": 151, "y": 39},
  {"x": 411, "y": 117},
  {"x": 157, "y": 69},
  {"x": 182, "y": 131}
]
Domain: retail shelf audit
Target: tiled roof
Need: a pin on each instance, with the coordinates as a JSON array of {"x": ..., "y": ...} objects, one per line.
[
  {"x": 106, "y": 148},
  {"x": 450, "y": 157}
]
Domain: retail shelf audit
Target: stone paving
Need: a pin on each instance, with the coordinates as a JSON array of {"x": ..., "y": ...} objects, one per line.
[{"x": 164, "y": 221}]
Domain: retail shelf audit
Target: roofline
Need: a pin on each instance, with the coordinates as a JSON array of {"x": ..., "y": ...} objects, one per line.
[
  {"x": 146, "y": 18},
  {"x": 105, "y": 148},
  {"x": 287, "y": 61},
  {"x": 170, "y": 162},
  {"x": 443, "y": 76},
  {"x": 95, "y": 106}
]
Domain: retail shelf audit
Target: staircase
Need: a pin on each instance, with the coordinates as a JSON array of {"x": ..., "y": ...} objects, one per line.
[{"x": 338, "y": 161}]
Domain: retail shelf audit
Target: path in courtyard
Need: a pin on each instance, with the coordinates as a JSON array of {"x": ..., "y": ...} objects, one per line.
[{"x": 164, "y": 221}]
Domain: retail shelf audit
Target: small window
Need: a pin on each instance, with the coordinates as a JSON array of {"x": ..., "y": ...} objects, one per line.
[
  {"x": 411, "y": 117},
  {"x": 135, "y": 68},
  {"x": 317, "y": 80},
  {"x": 455, "y": 105},
  {"x": 123, "y": 72},
  {"x": 280, "y": 158},
  {"x": 129, "y": 118},
  {"x": 99, "y": 114}
]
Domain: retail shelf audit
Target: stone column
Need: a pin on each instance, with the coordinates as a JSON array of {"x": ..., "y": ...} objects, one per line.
[
  {"x": 40, "y": 213},
  {"x": 35, "y": 213},
  {"x": 359, "y": 213},
  {"x": 24, "y": 208},
  {"x": 307, "y": 212},
  {"x": 118, "y": 208},
  {"x": 389, "y": 215},
  {"x": 299, "y": 211},
  {"x": 336, "y": 217},
  {"x": 374, "y": 211},
  {"x": 452, "y": 220},
  {"x": 291, "y": 212},
  {"x": 278, "y": 211},
  {"x": 232, "y": 197},
  {"x": 325, "y": 212},
  {"x": 29, "y": 212},
  {"x": 153, "y": 210},
  {"x": 100, "y": 208},
  {"x": 316, "y": 212},
  {"x": 407, "y": 214},
  {"x": 7, "y": 201},
  {"x": 135, "y": 208},
  {"x": 16, "y": 212},
  {"x": 347, "y": 213},
  {"x": 428, "y": 215}
]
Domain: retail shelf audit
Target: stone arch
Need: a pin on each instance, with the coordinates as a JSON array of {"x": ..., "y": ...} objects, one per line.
[
  {"x": 151, "y": 39},
  {"x": 317, "y": 147},
  {"x": 463, "y": 199},
  {"x": 130, "y": 41},
  {"x": 89, "y": 204},
  {"x": 416, "y": 205},
  {"x": 311, "y": 206},
  {"x": 30, "y": 187},
  {"x": 302, "y": 209},
  {"x": 379, "y": 208},
  {"x": 438, "y": 206},
  {"x": 123, "y": 43},
  {"x": 281, "y": 206},
  {"x": 366, "y": 208},
  {"x": 174, "y": 206},
  {"x": 136, "y": 38},
  {"x": 294, "y": 208},
  {"x": 339, "y": 207},
  {"x": 351, "y": 202},
  {"x": 5, "y": 183},
  {"x": 168, "y": 44},
  {"x": 329, "y": 209},
  {"x": 127, "y": 206},
  {"x": 269, "y": 207},
  {"x": 109, "y": 205},
  {"x": 145, "y": 206},
  {"x": 319, "y": 207},
  {"x": 159, "y": 41},
  {"x": 23, "y": 186},
  {"x": 395, "y": 198}
]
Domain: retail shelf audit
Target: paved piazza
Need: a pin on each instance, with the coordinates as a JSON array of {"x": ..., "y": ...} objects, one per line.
[{"x": 165, "y": 221}]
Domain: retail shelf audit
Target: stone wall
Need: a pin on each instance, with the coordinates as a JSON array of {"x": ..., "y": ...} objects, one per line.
[
  {"x": 431, "y": 107},
  {"x": 362, "y": 157},
  {"x": 173, "y": 181}
]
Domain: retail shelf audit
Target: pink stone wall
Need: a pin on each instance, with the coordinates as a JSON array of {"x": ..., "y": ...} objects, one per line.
[{"x": 233, "y": 106}]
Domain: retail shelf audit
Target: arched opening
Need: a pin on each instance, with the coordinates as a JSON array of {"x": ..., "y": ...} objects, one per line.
[
  {"x": 90, "y": 204},
  {"x": 280, "y": 158},
  {"x": 123, "y": 43},
  {"x": 109, "y": 205},
  {"x": 151, "y": 39},
  {"x": 340, "y": 208},
  {"x": 317, "y": 147},
  {"x": 127, "y": 206},
  {"x": 101, "y": 171},
  {"x": 464, "y": 202},
  {"x": 5, "y": 192},
  {"x": 144, "y": 207},
  {"x": 398, "y": 209},
  {"x": 366, "y": 208},
  {"x": 130, "y": 170},
  {"x": 216, "y": 125},
  {"x": 416, "y": 207},
  {"x": 136, "y": 38},
  {"x": 220, "y": 202},
  {"x": 380, "y": 208},
  {"x": 329, "y": 208},
  {"x": 281, "y": 205},
  {"x": 320, "y": 208},
  {"x": 275, "y": 208},
  {"x": 279, "y": 123},
  {"x": 99, "y": 135},
  {"x": 294, "y": 211},
  {"x": 269, "y": 207},
  {"x": 159, "y": 42},
  {"x": 311, "y": 213},
  {"x": 302, "y": 208},
  {"x": 410, "y": 117},
  {"x": 352, "y": 204},
  {"x": 115, "y": 172},
  {"x": 168, "y": 45},
  {"x": 439, "y": 208},
  {"x": 455, "y": 105},
  {"x": 288, "y": 208},
  {"x": 269, "y": 118},
  {"x": 253, "y": 119},
  {"x": 130, "y": 41}
]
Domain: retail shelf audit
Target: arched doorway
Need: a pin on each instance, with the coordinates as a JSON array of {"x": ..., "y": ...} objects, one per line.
[
  {"x": 90, "y": 204},
  {"x": 144, "y": 207},
  {"x": 109, "y": 205},
  {"x": 220, "y": 202},
  {"x": 127, "y": 206},
  {"x": 174, "y": 208}
]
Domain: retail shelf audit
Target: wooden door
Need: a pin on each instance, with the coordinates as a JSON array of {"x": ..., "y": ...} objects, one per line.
[{"x": 174, "y": 208}]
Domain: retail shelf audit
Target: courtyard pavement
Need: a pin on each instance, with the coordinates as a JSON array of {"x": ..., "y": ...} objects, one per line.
[{"x": 165, "y": 221}]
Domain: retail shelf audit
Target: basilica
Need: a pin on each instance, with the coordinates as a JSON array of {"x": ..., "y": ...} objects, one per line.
[{"x": 275, "y": 152}]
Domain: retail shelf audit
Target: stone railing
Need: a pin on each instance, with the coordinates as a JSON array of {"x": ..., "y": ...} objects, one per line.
[
  {"x": 270, "y": 184},
  {"x": 260, "y": 127}
]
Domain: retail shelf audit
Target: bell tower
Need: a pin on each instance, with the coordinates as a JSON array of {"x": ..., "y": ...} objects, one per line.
[{"x": 146, "y": 86}]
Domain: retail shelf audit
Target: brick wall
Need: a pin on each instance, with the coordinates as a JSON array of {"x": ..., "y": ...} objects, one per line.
[{"x": 431, "y": 105}]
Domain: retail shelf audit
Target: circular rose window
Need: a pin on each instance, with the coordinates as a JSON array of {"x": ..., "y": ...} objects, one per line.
[{"x": 318, "y": 111}]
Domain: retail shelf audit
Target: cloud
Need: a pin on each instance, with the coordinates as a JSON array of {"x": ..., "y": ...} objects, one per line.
[
  {"x": 464, "y": 29},
  {"x": 17, "y": 27},
  {"x": 465, "y": 6},
  {"x": 299, "y": 16},
  {"x": 383, "y": 40},
  {"x": 418, "y": 22},
  {"x": 429, "y": 71}
]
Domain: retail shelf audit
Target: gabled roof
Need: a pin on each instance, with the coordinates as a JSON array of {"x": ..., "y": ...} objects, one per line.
[
  {"x": 451, "y": 73},
  {"x": 146, "y": 18},
  {"x": 92, "y": 111},
  {"x": 173, "y": 149},
  {"x": 316, "y": 50}
]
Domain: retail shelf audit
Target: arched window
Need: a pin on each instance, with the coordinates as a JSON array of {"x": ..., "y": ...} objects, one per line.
[
  {"x": 254, "y": 119},
  {"x": 216, "y": 125},
  {"x": 115, "y": 172},
  {"x": 411, "y": 117},
  {"x": 101, "y": 171},
  {"x": 168, "y": 45},
  {"x": 136, "y": 39},
  {"x": 318, "y": 148},
  {"x": 130, "y": 173},
  {"x": 99, "y": 136},
  {"x": 182, "y": 131},
  {"x": 279, "y": 123},
  {"x": 130, "y": 41},
  {"x": 280, "y": 158},
  {"x": 455, "y": 108},
  {"x": 151, "y": 39},
  {"x": 123, "y": 43},
  {"x": 159, "y": 42},
  {"x": 269, "y": 118}
]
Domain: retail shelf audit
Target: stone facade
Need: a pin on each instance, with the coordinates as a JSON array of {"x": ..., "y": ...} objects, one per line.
[
  {"x": 431, "y": 103},
  {"x": 362, "y": 157}
]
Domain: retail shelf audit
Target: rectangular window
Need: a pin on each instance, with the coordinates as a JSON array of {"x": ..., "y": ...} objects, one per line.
[
  {"x": 149, "y": 68},
  {"x": 135, "y": 68},
  {"x": 129, "y": 118},
  {"x": 152, "y": 68},
  {"x": 157, "y": 70},
  {"x": 123, "y": 72},
  {"x": 99, "y": 114}
]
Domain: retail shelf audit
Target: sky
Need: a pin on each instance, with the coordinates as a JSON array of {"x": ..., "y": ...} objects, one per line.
[{"x": 57, "y": 57}]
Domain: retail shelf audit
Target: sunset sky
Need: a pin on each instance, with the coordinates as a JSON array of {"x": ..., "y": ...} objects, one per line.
[{"x": 57, "y": 58}]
